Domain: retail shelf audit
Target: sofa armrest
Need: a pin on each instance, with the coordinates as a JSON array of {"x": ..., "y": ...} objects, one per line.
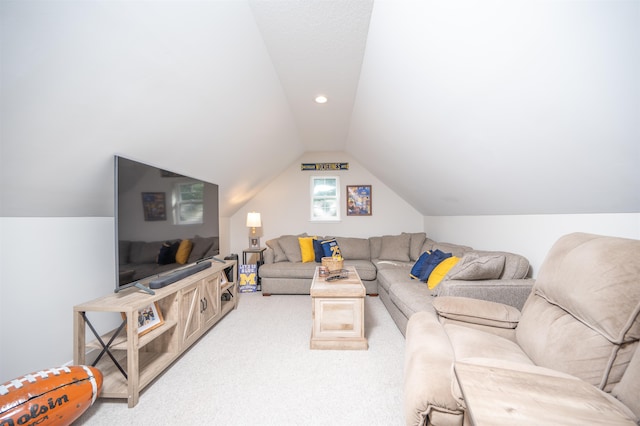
[
  {"x": 510, "y": 292},
  {"x": 474, "y": 311},
  {"x": 268, "y": 256},
  {"x": 428, "y": 373}
]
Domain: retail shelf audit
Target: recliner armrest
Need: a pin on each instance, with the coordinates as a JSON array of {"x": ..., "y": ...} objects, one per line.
[{"x": 474, "y": 311}]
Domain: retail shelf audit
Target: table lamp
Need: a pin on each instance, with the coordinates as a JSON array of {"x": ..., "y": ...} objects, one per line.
[{"x": 253, "y": 222}]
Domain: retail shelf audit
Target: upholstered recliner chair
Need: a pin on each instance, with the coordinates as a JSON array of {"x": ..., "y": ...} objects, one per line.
[{"x": 581, "y": 319}]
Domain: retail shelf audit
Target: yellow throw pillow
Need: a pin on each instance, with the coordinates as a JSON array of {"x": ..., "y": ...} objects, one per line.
[
  {"x": 184, "y": 250},
  {"x": 441, "y": 270},
  {"x": 306, "y": 249}
]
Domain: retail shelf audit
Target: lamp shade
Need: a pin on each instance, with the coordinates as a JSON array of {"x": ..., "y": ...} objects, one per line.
[{"x": 253, "y": 220}]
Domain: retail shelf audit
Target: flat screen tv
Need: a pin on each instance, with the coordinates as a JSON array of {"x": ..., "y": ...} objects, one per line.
[{"x": 164, "y": 222}]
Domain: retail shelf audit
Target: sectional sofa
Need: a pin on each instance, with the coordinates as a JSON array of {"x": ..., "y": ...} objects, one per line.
[
  {"x": 384, "y": 264},
  {"x": 580, "y": 326}
]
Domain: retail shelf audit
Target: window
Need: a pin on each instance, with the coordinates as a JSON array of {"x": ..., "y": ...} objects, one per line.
[
  {"x": 325, "y": 198},
  {"x": 189, "y": 203}
]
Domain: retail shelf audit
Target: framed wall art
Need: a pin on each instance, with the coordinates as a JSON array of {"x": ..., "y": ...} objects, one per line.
[{"x": 359, "y": 200}]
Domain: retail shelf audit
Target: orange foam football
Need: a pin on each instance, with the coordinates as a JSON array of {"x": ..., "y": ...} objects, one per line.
[{"x": 53, "y": 397}]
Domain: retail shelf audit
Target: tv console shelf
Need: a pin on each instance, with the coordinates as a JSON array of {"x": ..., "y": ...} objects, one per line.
[{"x": 129, "y": 361}]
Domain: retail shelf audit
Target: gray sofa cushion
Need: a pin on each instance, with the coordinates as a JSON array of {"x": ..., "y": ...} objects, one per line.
[
  {"x": 411, "y": 297},
  {"x": 287, "y": 270},
  {"x": 366, "y": 270},
  {"x": 403, "y": 267},
  {"x": 389, "y": 275},
  {"x": 416, "y": 243},
  {"x": 395, "y": 247},
  {"x": 354, "y": 248}
]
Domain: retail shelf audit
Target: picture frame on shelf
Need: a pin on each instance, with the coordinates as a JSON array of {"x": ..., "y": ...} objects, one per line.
[
  {"x": 359, "y": 201},
  {"x": 149, "y": 318},
  {"x": 254, "y": 243}
]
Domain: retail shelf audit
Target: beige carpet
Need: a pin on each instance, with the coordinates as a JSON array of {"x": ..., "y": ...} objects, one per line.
[{"x": 255, "y": 368}]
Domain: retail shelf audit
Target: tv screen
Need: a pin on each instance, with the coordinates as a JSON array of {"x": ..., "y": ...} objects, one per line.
[{"x": 164, "y": 222}]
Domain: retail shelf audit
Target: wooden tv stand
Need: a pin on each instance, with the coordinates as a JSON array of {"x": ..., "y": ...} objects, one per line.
[{"x": 129, "y": 361}]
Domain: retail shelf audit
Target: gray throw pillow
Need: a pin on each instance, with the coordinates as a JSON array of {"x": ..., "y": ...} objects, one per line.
[
  {"x": 291, "y": 247},
  {"x": 473, "y": 267},
  {"x": 278, "y": 254},
  {"x": 395, "y": 247},
  {"x": 415, "y": 246}
]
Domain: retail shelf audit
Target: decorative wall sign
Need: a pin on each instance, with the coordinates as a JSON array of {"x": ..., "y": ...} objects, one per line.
[
  {"x": 324, "y": 166},
  {"x": 248, "y": 278},
  {"x": 153, "y": 205},
  {"x": 359, "y": 200}
]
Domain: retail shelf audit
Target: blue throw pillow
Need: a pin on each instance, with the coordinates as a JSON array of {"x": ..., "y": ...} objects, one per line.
[
  {"x": 419, "y": 265},
  {"x": 432, "y": 261},
  {"x": 330, "y": 248},
  {"x": 317, "y": 250}
]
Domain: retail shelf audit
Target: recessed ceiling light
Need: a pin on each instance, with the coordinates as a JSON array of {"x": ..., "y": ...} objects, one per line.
[{"x": 321, "y": 99}]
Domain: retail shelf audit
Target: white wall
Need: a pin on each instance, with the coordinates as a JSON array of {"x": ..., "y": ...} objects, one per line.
[
  {"x": 186, "y": 86},
  {"x": 529, "y": 235},
  {"x": 503, "y": 107},
  {"x": 284, "y": 205},
  {"x": 48, "y": 265},
  {"x": 82, "y": 81}
]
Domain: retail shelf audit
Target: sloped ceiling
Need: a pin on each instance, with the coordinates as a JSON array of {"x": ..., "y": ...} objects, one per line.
[
  {"x": 461, "y": 107},
  {"x": 317, "y": 48},
  {"x": 471, "y": 108}
]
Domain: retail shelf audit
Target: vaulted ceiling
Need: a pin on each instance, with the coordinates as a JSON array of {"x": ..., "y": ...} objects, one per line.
[
  {"x": 461, "y": 107},
  {"x": 466, "y": 107},
  {"x": 317, "y": 49}
]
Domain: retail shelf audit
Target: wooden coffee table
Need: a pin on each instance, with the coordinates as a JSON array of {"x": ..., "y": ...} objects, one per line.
[{"x": 338, "y": 312}]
